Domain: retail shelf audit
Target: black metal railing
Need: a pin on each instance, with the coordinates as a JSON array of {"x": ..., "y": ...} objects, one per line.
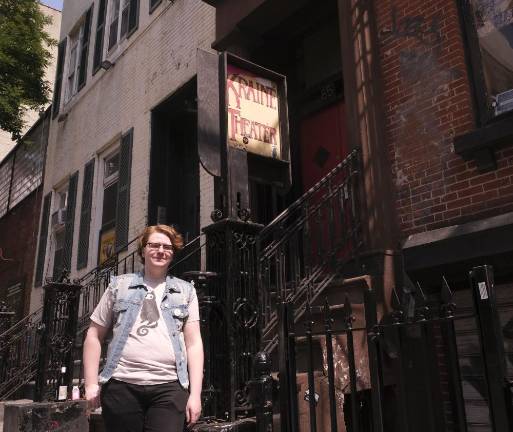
[
  {"x": 19, "y": 348},
  {"x": 20, "y": 344},
  {"x": 356, "y": 367},
  {"x": 302, "y": 250}
]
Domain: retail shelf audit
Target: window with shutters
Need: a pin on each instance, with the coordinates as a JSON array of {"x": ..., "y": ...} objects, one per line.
[
  {"x": 123, "y": 20},
  {"x": 78, "y": 49},
  {"x": 100, "y": 33},
  {"x": 74, "y": 46},
  {"x": 489, "y": 28},
  {"x": 110, "y": 193}
]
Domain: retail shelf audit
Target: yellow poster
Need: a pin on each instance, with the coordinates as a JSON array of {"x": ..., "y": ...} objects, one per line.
[
  {"x": 253, "y": 113},
  {"x": 107, "y": 245}
]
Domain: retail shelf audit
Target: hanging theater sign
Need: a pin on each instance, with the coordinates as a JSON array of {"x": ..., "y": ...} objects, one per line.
[{"x": 253, "y": 113}]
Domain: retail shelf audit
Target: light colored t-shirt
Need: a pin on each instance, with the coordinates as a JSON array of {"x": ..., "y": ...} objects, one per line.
[{"x": 148, "y": 357}]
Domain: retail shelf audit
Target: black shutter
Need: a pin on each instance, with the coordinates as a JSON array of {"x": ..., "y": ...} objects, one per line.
[
  {"x": 84, "y": 50},
  {"x": 61, "y": 53},
  {"x": 70, "y": 222},
  {"x": 43, "y": 237},
  {"x": 123, "y": 204},
  {"x": 133, "y": 16},
  {"x": 98, "y": 41},
  {"x": 85, "y": 216}
]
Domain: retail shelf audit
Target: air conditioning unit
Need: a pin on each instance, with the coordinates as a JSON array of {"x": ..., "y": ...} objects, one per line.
[
  {"x": 58, "y": 218},
  {"x": 504, "y": 102}
]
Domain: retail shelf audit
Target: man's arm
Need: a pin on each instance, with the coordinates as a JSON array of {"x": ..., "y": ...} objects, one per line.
[
  {"x": 91, "y": 358},
  {"x": 194, "y": 346}
]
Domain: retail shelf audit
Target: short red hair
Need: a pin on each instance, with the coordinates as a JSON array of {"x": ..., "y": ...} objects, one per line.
[{"x": 171, "y": 232}]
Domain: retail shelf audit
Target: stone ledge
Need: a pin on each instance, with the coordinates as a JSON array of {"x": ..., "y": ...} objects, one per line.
[{"x": 69, "y": 416}]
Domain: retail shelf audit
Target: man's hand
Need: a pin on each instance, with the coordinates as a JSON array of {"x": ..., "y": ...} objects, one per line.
[
  {"x": 193, "y": 409},
  {"x": 92, "y": 395}
]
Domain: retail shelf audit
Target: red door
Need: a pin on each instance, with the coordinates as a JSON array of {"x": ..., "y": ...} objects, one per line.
[{"x": 323, "y": 143}]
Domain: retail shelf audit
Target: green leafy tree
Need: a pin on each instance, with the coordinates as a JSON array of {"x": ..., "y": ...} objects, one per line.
[{"x": 24, "y": 56}]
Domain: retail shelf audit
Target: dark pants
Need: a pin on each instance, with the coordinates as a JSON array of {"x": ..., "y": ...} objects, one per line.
[{"x": 143, "y": 408}]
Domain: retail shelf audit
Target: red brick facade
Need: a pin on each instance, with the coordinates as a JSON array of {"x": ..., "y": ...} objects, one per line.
[
  {"x": 428, "y": 101},
  {"x": 18, "y": 234}
]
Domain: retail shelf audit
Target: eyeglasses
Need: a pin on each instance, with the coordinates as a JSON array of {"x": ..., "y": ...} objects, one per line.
[{"x": 156, "y": 246}]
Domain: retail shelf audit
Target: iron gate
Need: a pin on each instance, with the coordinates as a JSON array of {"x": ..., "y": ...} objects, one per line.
[{"x": 398, "y": 371}]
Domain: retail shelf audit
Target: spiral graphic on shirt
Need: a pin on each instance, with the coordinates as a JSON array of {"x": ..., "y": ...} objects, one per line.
[
  {"x": 144, "y": 329},
  {"x": 149, "y": 315}
]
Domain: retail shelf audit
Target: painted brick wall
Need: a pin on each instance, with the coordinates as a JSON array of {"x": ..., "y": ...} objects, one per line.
[
  {"x": 428, "y": 102},
  {"x": 159, "y": 58}
]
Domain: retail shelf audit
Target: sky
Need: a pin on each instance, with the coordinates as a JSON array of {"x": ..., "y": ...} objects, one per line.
[{"x": 56, "y": 4}]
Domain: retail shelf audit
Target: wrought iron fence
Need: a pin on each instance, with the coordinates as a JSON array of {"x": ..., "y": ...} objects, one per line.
[
  {"x": 20, "y": 343},
  {"x": 302, "y": 249},
  {"x": 353, "y": 368},
  {"x": 19, "y": 348}
]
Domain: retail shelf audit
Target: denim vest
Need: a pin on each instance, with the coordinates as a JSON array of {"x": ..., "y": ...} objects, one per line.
[{"x": 128, "y": 293}]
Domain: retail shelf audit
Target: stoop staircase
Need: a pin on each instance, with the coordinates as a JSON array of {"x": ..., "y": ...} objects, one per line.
[
  {"x": 299, "y": 255},
  {"x": 303, "y": 250}
]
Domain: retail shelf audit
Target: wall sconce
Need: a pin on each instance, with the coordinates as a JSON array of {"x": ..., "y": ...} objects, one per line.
[{"x": 106, "y": 64}]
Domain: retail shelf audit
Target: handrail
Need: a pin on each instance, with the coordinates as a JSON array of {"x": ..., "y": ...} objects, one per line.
[
  {"x": 296, "y": 204},
  {"x": 23, "y": 337},
  {"x": 106, "y": 263},
  {"x": 302, "y": 250},
  {"x": 21, "y": 323}
]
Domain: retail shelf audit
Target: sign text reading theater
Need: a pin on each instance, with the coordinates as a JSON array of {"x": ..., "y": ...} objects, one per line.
[{"x": 253, "y": 114}]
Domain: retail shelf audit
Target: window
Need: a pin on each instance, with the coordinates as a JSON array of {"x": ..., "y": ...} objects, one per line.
[
  {"x": 71, "y": 88},
  {"x": 490, "y": 32},
  {"x": 110, "y": 193},
  {"x": 116, "y": 173},
  {"x": 57, "y": 222},
  {"x": 154, "y": 4},
  {"x": 62, "y": 224},
  {"x": 78, "y": 43},
  {"x": 123, "y": 20}
]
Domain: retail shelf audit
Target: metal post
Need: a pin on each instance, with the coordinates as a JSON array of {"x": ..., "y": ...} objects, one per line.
[
  {"x": 311, "y": 381},
  {"x": 209, "y": 306},
  {"x": 492, "y": 348},
  {"x": 59, "y": 329},
  {"x": 262, "y": 392},
  {"x": 375, "y": 361},
  {"x": 328, "y": 335},
  {"x": 453, "y": 366},
  {"x": 348, "y": 324}
]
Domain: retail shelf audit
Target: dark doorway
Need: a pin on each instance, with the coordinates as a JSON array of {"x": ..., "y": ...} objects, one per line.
[
  {"x": 301, "y": 42},
  {"x": 174, "y": 166}
]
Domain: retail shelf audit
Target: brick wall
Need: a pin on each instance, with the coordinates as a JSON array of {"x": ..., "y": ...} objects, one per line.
[
  {"x": 428, "y": 102},
  {"x": 18, "y": 234}
]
